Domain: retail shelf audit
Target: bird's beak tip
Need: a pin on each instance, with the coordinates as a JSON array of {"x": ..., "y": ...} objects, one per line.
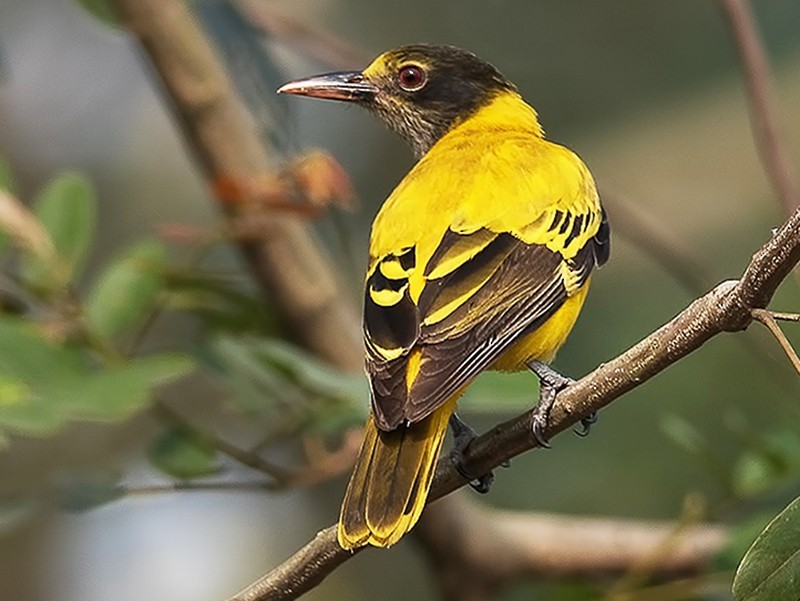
[
  {"x": 289, "y": 88},
  {"x": 332, "y": 86}
]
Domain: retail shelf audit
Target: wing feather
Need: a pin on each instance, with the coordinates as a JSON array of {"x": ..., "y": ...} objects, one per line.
[{"x": 483, "y": 291}]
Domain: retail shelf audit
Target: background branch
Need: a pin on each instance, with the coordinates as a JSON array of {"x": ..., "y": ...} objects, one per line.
[
  {"x": 761, "y": 100},
  {"x": 312, "y": 42},
  {"x": 475, "y": 550},
  {"x": 285, "y": 260}
]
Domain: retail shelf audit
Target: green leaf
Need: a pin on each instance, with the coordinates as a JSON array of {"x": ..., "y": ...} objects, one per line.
[
  {"x": 126, "y": 291},
  {"x": 310, "y": 373},
  {"x": 770, "y": 570},
  {"x": 66, "y": 208},
  {"x": 44, "y": 385},
  {"x": 32, "y": 371},
  {"x": 255, "y": 386},
  {"x": 102, "y": 10},
  {"x": 117, "y": 393},
  {"x": 81, "y": 491},
  {"x": 772, "y": 458},
  {"x": 684, "y": 434},
  {"x": 294, "y": 389},
  {"x": 337, "y": 399},
  {"x": 184, "y": 455},
  {"x": 754, "y": 473},
  {"x": 220, "y": 302}
]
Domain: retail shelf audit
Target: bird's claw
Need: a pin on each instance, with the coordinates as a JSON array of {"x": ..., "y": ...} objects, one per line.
[
  {"x": 586, "y": 424},
  {"x": 539, "y": 424},
  {"x": 550, "y": 384},
  {"x": 463, "y": 435}
]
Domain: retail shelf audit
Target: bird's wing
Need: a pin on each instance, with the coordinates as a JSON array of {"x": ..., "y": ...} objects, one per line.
[
  {"x": 454, "y": 282},
  {"x": 483, "y": 290}
]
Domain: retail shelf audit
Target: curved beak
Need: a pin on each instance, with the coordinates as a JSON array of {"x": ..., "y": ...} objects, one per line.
[{"x": 344, "y": 85}]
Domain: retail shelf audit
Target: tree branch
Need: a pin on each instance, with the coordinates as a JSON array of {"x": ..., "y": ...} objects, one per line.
[
  {"x": 770, "y": 321},
  {"x": 726, "y": 308},
  {"x": 761, "y": 100},
  {"x": 285, "y": 259},
  {"x": 651, "y": 237},
  {"x": 476, "y": 550}
]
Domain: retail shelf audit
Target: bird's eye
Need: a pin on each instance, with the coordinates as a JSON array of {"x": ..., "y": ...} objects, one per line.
[{"x": 412, "y": 78}]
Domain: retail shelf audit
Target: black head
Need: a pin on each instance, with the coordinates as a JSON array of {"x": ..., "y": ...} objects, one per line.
[{"x": 420, "y": 91}]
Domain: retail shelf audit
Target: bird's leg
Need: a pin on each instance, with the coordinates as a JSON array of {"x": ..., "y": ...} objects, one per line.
[
  {"x": 550, "y": 384},
  {"x": 463, "y": 435}
]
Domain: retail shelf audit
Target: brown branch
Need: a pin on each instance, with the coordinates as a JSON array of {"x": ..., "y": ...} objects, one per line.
[
  {"x": 285, "y": 260},
  {"x": 650, "y": 237},
  {"x": 785, "y": 316},
  {"x": 667, "y": 252},
  {"x": 475, "y": 550},
  {"x": 726, "y": 308},
  {"x": 761, "y": 100},
  {"x": 769, "y": 320}
]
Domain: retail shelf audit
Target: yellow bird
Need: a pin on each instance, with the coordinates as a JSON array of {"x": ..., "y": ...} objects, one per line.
[{"x": 480, "y": 259}]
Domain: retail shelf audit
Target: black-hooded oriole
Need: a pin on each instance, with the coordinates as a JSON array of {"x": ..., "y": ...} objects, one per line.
[{"x": 480, "y": 259}]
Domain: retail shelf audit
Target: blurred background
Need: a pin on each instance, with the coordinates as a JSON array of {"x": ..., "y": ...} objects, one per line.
[{"x": 650, "y": 94}]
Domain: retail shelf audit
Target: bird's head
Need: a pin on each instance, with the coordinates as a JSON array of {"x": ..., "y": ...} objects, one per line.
[{"x": 419, "y": 91}]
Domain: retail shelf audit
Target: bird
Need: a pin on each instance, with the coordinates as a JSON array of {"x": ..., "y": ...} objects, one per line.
[{"x": 480, "y": 259}]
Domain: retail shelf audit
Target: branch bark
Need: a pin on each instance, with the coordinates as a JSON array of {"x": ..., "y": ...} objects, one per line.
[
  {"x": 476, "y": 550},
  {"x": 285, "y": 260},
  {"x": 726, "y": 308}
]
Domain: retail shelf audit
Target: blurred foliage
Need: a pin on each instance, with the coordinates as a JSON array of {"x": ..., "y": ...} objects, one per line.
[
  {"x": 72, "y": 348},
  {"x": 184, "y": 454},
  {"x": 101, "y": 10},
  {"x": 56, "y": 364},
  {"x": 65, "y": 208}
]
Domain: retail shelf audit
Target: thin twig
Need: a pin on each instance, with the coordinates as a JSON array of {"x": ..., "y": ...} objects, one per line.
[
  {"x": 768, "y": 319},
  {"x": 785, "y": 316},
  {"x": 322, "y": 467},
  {"x": 684, "y": 588},
  {"x": 280, "y": 475},
  {"x": 195, "y": 486},
  {"x": 649, "y": 562},
  {"x": 761, "y": 100}
]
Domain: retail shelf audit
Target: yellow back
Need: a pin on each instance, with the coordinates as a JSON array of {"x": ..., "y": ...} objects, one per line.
[{"x": 471, "y": 180}]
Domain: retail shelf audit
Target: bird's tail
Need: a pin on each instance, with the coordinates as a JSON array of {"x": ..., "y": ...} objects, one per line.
[{"x": 390, "y": 482}]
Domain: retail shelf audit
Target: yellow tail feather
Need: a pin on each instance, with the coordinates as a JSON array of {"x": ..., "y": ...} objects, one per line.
[{"x": 390, "y": 483}]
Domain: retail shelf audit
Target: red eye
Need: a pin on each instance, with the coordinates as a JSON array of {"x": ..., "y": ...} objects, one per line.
[{"x": 412, "y": 78}]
